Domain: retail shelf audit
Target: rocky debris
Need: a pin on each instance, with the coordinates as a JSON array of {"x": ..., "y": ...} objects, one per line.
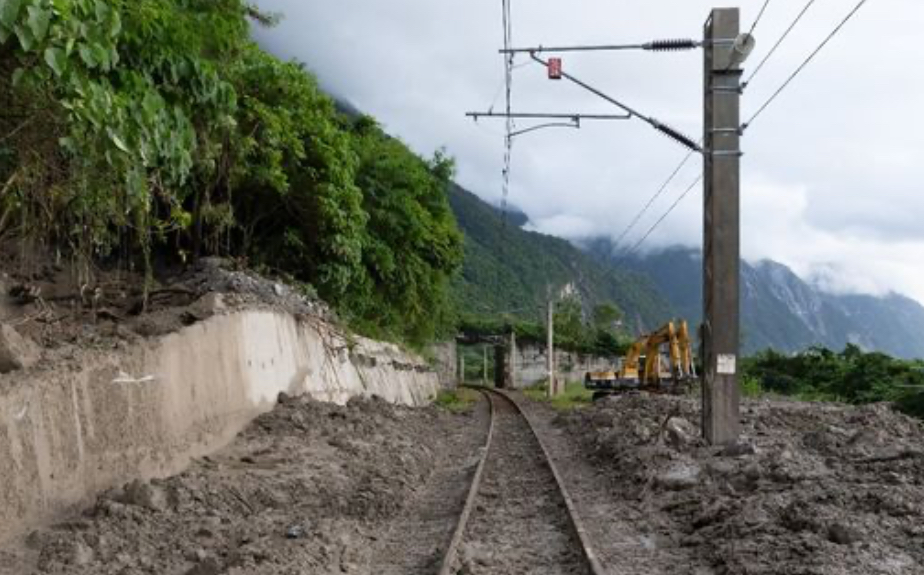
[
  {"x": 16, "y": 351},
  {"x": 54, "y": 307},
  {"x": 307, "y": 488},
  {"x": 810, "y": 488}
]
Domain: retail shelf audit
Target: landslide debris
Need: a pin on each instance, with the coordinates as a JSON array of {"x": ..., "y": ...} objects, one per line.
[
  {"x": 811, "y": 489},
  {"x": 50, "y": 314},
  {"x": 306, "y": 488}
]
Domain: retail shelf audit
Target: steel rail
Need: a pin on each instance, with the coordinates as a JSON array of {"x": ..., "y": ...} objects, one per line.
[
  {"x": 453, "y": 549},
  {"x": 596, "y": 568}
]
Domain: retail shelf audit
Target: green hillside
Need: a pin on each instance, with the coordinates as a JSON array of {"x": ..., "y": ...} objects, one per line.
[{"x": 507, "y": 268}]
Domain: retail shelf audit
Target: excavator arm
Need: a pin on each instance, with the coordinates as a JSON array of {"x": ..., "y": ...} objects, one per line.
[{"x": 676, "y": 337}]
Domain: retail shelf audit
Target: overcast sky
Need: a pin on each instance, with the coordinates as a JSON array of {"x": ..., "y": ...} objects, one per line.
[{"x": 834, "y": 170}]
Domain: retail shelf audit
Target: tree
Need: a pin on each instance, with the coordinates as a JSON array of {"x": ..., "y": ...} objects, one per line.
[{"x": 606, "y": 317}]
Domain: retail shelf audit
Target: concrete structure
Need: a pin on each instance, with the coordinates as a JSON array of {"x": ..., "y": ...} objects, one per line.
[
  {"x": 722, "y": 229},
  {"x": 73, "y": 429},
  {"x": 532, "y": 365}
]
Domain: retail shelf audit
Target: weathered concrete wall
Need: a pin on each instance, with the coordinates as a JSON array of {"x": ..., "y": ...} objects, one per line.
[
  {"x": 531, "y": 365},
  {"x": 71, "y": 430},
  {"x": 446, "y": 363}
]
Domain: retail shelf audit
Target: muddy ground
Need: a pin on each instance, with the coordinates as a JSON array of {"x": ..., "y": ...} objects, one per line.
[
  {"x": 811, "y": 489},
  {"x": 307, "y": 488}
]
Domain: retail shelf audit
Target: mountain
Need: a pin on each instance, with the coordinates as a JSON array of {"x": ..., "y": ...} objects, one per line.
[
  {"x": 782, "y": 311},
  {"x": 507, "y": 269}
]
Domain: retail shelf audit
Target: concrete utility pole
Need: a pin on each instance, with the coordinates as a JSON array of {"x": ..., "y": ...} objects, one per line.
[
  {"x": 461, "y": 369},
  {"x": 552, "y": 390},
  {"x": 721, "y": 241},
  {"x": 484, "y": 372},
  {"x": 512, "y": 362}
]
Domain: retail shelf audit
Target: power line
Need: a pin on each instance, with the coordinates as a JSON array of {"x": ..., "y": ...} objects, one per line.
[
  {"x": 754, "y": 24},
  {"x": 802, "y": 66},
  {"x": 759, "y": 16},
  {"x": 777, "y": 45},
  {"x": 651, "y": 201},
  {"x": 651, "y": 230}
]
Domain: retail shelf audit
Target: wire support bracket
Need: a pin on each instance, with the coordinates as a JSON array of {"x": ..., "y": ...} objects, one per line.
[
  {"x": 548, "y": 116},
  {"x": 668, "y": 131},
  {"x": 669, "y": 45}
]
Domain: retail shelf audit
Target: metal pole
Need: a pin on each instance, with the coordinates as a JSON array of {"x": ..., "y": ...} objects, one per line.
[
  {"x": 552, "y": 390},
  {"x": 721, "y": 241}
]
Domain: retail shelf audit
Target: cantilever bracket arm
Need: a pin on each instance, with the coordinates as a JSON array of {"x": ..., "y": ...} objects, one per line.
[
  {"x": 575, "y": 124},
  {"x": 671, "y": 133},
  {"x": 543, "y": 116}
]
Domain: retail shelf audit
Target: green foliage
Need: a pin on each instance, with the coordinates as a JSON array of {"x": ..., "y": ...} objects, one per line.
[
  {"x": 606, "y": 316},
  {"x": 751, "y": 386},
  {"x": 575, "y": 396},
  {"x": 411, "y": 243},
  {"x": 851, "y": 376},
  {"x": 459, "y": 400},
  {"x": 569, "y": 321},
  {"x": 159, "y": 127},
  {"x": 508, "y": 269}
]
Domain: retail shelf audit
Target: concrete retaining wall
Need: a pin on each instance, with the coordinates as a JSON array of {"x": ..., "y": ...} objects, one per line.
[
  {"x": 71, "y": 430},
  {"x": 531, "y": 365}
]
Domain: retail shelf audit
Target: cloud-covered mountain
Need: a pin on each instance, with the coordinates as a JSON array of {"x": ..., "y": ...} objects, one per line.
[{"x": 782, "y": 311}]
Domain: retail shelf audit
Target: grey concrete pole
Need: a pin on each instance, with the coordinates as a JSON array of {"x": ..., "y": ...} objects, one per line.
[
  {"x": 512, "y": 364},
  {"x": 552, "y": 390},
  {"x": 721, "y": 242},
  {"x": 484, "y": 372}
]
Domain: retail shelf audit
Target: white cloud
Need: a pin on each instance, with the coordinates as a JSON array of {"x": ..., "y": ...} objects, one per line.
[{"x": 832, "y": 179}]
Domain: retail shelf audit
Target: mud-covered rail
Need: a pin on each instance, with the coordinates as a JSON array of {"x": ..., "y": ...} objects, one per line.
[{"x": 518, "y": 509}]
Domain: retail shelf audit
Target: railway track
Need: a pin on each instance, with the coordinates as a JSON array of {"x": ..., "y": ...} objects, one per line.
[{"x": 518, "y": 516}]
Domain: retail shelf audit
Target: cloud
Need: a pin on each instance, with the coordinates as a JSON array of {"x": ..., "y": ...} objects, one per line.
[{"x": 832, "y": 179}]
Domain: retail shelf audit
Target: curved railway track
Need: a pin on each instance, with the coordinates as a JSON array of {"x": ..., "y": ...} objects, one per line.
[{"x": 518, "y": 516}]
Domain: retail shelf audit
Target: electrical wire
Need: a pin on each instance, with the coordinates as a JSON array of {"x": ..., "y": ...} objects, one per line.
[
  {"x": 651, "y": 230},
  {"x": 759, "y": 16},
  {"x": 754, "y": 24},
  {"x": 802, "y": 66},
  {"x": 777, "y": 45},
  {"x": 651, "y": 201}
]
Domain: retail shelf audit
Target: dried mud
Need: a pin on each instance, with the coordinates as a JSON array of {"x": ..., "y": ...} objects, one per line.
[
  {"x": 306, "y": 488},
  {"x": 812, "y": 489}
]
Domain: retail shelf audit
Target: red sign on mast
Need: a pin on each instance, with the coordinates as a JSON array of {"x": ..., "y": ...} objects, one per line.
[{"x": 554, "y": 68}]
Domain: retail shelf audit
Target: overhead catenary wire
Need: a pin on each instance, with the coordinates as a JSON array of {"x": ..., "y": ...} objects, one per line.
[
  {"x": 660, "y": 220},
  {"x": 638, "y": 217},
  {"x": 777, "y": 45},
  {"x": 760, "y": 15},
  {"x": 802, "y": 66}
]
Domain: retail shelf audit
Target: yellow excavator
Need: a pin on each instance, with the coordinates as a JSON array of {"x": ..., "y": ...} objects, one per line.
[{"x": 645, "y": 367}]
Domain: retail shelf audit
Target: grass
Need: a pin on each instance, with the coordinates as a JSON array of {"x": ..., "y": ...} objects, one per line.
[
  {"x": 457, "y": 400},
  {"x": 750, "y": 387},
  {"x": 575, "y": 396}
]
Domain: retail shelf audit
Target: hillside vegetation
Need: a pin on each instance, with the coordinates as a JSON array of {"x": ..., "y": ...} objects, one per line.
[
  {"x": 508, "y": 270},
  {"x": 137, "y": 130},
  {"x": 851, "y": 376}
]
